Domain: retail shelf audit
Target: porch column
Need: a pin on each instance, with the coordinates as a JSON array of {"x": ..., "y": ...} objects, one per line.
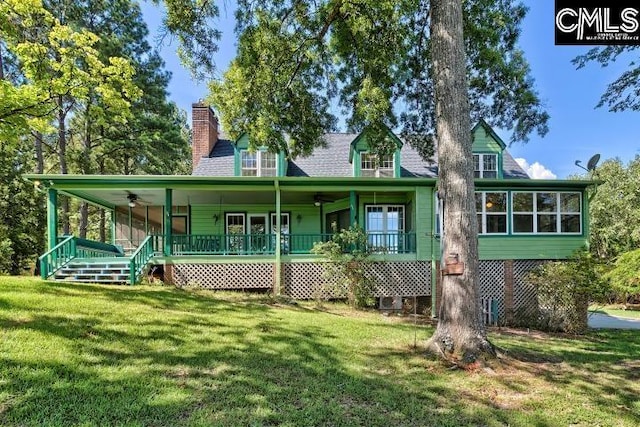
[
  {"x": 278, "y": 243},
  {"x": 52, "y": 218},
  {"x": 353, "y": 208},
  {"x": 113, "y": 226},
  {"x": 168, "y": 203}
]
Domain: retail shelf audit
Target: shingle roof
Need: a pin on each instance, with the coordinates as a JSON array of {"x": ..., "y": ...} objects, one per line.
[{"x": 333, "y": 160}]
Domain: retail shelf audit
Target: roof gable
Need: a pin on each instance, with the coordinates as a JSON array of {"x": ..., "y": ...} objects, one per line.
[
  {"x": 360, "y": 142},
  {"x": 484, "y": 137}
]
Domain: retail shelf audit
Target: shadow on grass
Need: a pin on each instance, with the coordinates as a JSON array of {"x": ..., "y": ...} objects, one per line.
[
  {"x": 193, "y": 359},
  {"x": 601, "y": 365}
]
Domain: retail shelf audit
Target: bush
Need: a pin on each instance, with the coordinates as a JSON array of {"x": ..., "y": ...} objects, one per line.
[
  {"x": 564, "y": 291},
  {"x": 625, "y": 276},
  {"x": 6, "y": 251},
  {"x": 348, "y": 266}
]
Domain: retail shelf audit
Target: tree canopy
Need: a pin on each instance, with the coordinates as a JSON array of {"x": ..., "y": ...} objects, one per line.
[
  {"x": 296, "y": 60},
  {"x": 624, "y": 92}
]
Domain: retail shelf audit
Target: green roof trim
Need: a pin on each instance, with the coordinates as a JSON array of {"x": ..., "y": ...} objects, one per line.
[{"x": 176, "y": 181}]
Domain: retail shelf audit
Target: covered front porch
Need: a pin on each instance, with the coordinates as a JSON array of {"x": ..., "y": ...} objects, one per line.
[{"x": 175, "y": 219}]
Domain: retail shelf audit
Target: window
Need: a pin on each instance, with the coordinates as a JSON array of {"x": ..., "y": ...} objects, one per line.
[
  {"x": 491, "y": 209},
  {"x": 284, "y": 223},
  {"x": 235, "y": 229},
  {"x": 485, "y": 165},
  {"x": 385, "y": 227},
  {"x": 547, "y": 212},
  {"x": 374, "y": 166},
  {"x": 259, "y": 163}
]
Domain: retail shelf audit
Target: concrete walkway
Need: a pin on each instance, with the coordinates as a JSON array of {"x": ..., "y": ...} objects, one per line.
[{"x": 604, "y": 321}]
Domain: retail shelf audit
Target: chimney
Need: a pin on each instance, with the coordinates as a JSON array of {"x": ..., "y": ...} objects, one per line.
[{"x": 204, "y": 133}]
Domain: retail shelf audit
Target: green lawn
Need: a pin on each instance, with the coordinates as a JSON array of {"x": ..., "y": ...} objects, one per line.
[
  {"x": 616, "y": 310},
  {"x": 104, "y": 355}
]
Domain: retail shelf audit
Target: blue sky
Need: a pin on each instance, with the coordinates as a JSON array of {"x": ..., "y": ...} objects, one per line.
[{"x": 577, "y": 129}]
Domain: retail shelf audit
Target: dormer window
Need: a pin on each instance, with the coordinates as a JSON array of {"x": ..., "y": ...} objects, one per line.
[
  {"x": 373, "y": 166},
  {"x": 258, "y": 163},
  {"x": 485, "y": 165}
]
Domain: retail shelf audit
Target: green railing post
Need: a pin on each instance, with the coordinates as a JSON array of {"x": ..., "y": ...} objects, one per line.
[{"x": 132, "y": 271}]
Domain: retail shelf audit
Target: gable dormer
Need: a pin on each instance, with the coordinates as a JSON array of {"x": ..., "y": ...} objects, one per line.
[
  {"x": 257, "y": 162},
  {"x": 367, "y": 164},
  {"x": 488, "y": 149}
]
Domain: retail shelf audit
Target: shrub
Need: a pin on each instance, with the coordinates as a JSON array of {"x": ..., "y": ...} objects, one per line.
[
  {"x": 625, "y": 276},
  {"x": 348, "y": 266},
  {"x": 564, "y": 291},
  {"x": 6, "y": 251}
]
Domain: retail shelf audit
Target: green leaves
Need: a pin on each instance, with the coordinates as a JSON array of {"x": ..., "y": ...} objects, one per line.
[
  {"x": 55, "y": 61},
  {"x": 614, "y": 213},
  {"x": 297, "y": 61},
  {"x": 624, "y": 92}
]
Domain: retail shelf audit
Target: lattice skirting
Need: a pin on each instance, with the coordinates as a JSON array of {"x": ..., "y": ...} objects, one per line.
[
  {"x": 525, "y": 301},
  {"x": 221, "y": 276},
  {"x": 309, "y": 280},
  {"x": 492, "y": 283}
]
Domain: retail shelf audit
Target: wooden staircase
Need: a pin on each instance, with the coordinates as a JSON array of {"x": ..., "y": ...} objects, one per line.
[{"x": 95, "y": 270}]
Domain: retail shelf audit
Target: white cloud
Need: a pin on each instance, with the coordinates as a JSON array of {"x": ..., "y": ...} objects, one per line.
[{"x": 536, "y": 170}]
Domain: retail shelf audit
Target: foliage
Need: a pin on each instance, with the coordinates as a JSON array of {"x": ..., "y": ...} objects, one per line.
[
  {"x": 625, "y": 275},
  {"x": 370, "y": 56},
  {"x": 55, "y": 61},
  {"x": 348, "y": 254},
  {"x": 613, "y": 210},
  {"x": 6, "y": 252},
  {"x": 21, "y": 212},
  {"x": 564, "y": 290},
  {"x": 75, "y": 354},
  {"x": 190, "y": 21},
  {"x": 623, "y": 93}
]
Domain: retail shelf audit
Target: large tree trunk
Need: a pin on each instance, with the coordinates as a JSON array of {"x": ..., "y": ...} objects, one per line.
[{"x": 460, "y": 335}]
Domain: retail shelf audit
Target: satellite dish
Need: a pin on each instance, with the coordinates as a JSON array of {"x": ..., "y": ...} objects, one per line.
[{"x": 593, "y": 162}]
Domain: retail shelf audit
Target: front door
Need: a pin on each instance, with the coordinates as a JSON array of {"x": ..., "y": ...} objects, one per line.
[{"x": 258, "y": 237}]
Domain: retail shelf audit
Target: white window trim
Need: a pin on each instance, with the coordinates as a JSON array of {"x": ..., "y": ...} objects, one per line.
[
  {"x": 258, "y": 167},
  {"x": 558, "y": 213},
  {"x": 377, "y": 169},
  {"x": 481, "y": 157},
  {"x": 484, "y": 213},
  {"x": 386, "y": 209}
]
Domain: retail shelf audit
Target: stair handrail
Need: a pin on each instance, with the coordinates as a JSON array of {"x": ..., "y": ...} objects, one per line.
[
  {"x": 58, "y": 256},
  {"x": 139, "y": 259}
]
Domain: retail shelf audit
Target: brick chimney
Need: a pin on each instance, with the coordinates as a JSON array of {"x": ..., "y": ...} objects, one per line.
[{"x": 205, "y": 132}]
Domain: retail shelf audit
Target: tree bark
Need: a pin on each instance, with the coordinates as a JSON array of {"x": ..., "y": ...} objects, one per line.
[
  {"x": 85, "y": 167},
  {"x": 1, "y": 63},
  {"x": 460, "y": 335},
  {"x": 62, "y": 157},
  {"x": 37, "y": 144}
]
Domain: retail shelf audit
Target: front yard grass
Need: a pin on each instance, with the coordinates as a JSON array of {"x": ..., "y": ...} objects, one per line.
[
  {"x": 149, "y": 355},
  {"x": 617, "y": 310}
]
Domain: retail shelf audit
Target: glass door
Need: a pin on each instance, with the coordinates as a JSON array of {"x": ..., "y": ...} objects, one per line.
[{"x": 258, "y": 237}]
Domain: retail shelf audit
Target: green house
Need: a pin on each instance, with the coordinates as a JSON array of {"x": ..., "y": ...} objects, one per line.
[{"x": 248, "y": 219}]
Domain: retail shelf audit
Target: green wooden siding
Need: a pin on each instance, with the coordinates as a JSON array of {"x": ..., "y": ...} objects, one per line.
[
  {"x": 203, "y": 222},
  {"x": 529, "y": 247},
  {"x": 484, "y": 143},
  {"x": 424, "y": 219}
]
